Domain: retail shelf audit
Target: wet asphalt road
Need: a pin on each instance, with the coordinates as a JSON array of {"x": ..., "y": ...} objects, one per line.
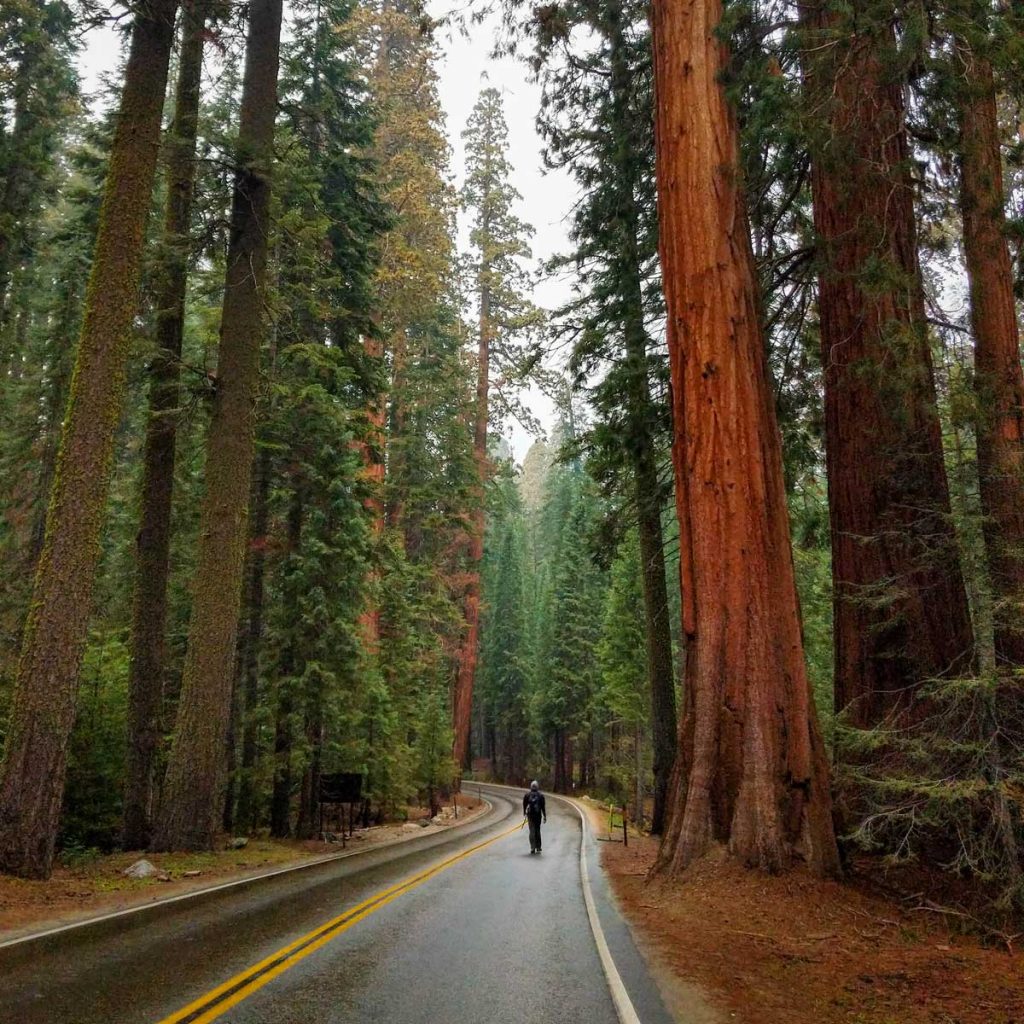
[{"x": 499, "y": 936}]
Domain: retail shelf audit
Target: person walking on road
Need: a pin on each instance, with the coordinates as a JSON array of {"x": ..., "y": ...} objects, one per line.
[{"x": 534, "y": 808}]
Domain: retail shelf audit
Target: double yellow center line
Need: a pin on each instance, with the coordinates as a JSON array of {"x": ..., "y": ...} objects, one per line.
[{"x": 219, "y": 1000}]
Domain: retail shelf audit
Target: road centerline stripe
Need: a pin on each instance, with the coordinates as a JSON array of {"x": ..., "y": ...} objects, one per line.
[{"x": 219, "y": 1000}]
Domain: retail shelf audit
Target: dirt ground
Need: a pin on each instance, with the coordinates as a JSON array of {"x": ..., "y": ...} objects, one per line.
[
  {"x": 99, "y": 885},
  {"x": 796, "y": 950}
]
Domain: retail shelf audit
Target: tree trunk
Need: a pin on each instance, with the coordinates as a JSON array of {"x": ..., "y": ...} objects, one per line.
[
  {"x": 900, "y": 611},
  {"x": 614, "y": 743},
  {"x": 288, "y": 672},
  {"x": 306, "y": 827},
  {"x": 463, "y": 701},
  {"x": 246, "y": 813},
  {"x": 149, "y": 612},
  {"x": 752, "y": 772},
  {"x": 373, "y": 450},
  {"x": 189, "y": 816},
  {"x": 281, "y": 793},
  {"x": 999, "y": 383},
  {"x": 638, "y": 776},
  {"x": 43, "y": 710},
  {"x": 657, "y": 628},
  {"x": 231, "y": 753}
]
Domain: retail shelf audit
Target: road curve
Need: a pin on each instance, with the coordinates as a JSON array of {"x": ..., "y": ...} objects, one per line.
[{"x": 464, "y": 929}]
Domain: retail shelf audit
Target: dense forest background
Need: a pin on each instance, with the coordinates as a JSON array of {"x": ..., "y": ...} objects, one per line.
[{"x": 258, "y": 518}]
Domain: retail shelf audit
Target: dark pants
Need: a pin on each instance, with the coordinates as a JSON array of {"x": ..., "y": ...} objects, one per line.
[{"x": 534, "y": 832}]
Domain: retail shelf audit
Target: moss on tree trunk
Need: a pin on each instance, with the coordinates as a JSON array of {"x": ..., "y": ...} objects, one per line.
[
  {"x": 149, "y": 612},
  {"x": 43, "y": 712},
  {"x": 195, "y": 774}
]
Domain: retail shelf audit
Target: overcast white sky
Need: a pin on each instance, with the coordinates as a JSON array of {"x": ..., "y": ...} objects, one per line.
[{"x": 547, "y": 198}]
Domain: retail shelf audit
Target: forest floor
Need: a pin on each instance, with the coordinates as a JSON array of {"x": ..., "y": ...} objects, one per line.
[
  {"x": 796, "y": 950},
  {"x": 90, "y": 885}
]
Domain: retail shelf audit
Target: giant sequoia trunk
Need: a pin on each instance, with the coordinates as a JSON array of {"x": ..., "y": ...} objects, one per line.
[
  {"x": 752, "y": 772},
  {"x": 999, "y": 383},
  {"x": 149, "y": 613},
  {"x": 901, "y": 611},
  {"x": 658, "y": 634},
  {"x": 462, "y": 705},
  {"x": 43, "y": 711},
  {"x": 195, "y": 773}
]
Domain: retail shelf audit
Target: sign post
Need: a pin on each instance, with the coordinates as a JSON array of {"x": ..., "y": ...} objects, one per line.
[{"x": 339, "y": 789}]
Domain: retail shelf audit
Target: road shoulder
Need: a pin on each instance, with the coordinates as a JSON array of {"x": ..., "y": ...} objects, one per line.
[
  {"x": 793, "y": 949},
  {"x": 78, "y": 896},
  {"x": 683, "y": 1000}
]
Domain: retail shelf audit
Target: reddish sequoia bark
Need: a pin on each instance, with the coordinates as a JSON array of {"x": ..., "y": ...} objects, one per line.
[
  {"x": 998, "y": 379},
  {"x": 752, "y": 772},
  {"x": 462, "y": 705},
  {"x": 901, "y": 612}
]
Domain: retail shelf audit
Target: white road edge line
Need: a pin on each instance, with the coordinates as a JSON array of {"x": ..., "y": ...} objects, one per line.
[
  {"x": 620, "y": 997},
  {"x": 209, "y": 889}
]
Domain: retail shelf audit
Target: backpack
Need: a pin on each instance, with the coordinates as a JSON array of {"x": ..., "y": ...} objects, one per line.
[{"x": 533, "y": 802}]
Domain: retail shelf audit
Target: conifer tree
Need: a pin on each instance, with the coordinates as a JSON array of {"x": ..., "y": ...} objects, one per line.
[
  {"x": 418, "y": 464},
  {"x": 153, "y": 544},
  {"x": 503, "y": 645},
  {"x": 191, "y": 807},
  {"x": 901, "y": 612},
  {"x": 621, "y": 656},
  {"x": 415, "y": 255},
  {"x": 35, "y": 753},
  {"x": 36, "y": 44},
  {"x": 37, "y": 345},
  {"x": 598, "y": 120},
  {"x": 331, "y": 217},
  {"x": 998, "y": 379},
  {"x": 752, "y": 771},
  {"x": 499, "y": 241},
  {"x": 569, "y": 652}
]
